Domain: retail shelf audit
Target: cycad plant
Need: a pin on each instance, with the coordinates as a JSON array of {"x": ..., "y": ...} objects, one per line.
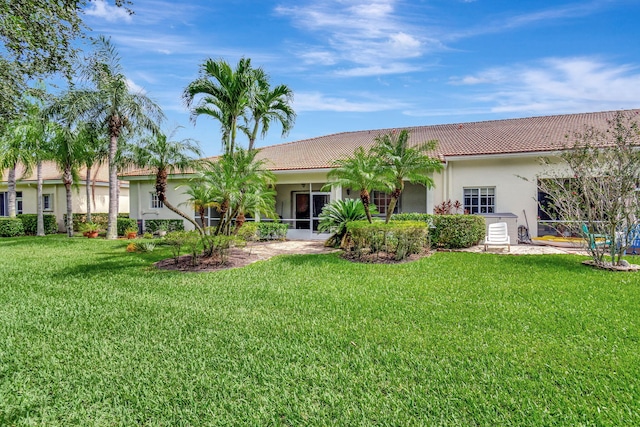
[{"x": 335, "y": 216}]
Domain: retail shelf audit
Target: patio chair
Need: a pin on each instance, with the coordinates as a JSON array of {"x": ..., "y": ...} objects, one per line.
[
  {"x": 595, "y": 240},
  {"x": 498, "y": 234}
]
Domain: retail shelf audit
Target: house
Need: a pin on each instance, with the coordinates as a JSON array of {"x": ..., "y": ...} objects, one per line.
[
  {"x": 491, "y": 167},
  {"x": 54, "y": 193}
]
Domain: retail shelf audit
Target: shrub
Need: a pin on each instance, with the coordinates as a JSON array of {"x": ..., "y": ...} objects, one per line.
[
  {"x": 399, "y": 238},
  {"x": 141, "y": 246},
  {"x": 450, "y": 231},
  {"x": 272, "y": 230},
  {"x": 249, "y": 231},
  {"x": 126, "y": 223},
  {"x": 176, "y": 240},
  {"x": 11, "y": 227},
  {"x": 99, "y": 218},
  {"x": 458, "y": 231},
  {"x": 335, "y": 216},
  {"x": 218, "y": 246},
  {"x": 30, "y": 223},
  {"x": 153, "y": 225},
  {"x": 448, "y": 208}
]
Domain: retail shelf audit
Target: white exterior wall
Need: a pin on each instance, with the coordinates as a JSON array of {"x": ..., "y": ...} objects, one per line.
[
  {"x": 513, "y": 194},
  {"x": 140, "y": 201},
  {"x": 100, "y": 204}
]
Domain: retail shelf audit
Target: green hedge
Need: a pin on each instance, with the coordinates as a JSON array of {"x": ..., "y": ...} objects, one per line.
[
  {"x": 11, "y": 227},
  {"x": 100, "y": 218},
  {"x": 450, "y": 231},
  {"x": 398, "y": 238},
  {"x": 252, "y": 231},
  {"x": 124, "y": 223},
  {"x": 153, "y": 225},
  {"x": 30, "y": 223}
]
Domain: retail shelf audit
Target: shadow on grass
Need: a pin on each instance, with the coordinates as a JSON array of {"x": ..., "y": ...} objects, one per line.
[
  {"x": 110, "y": 264},
  {"x": 316, "y": 260}
]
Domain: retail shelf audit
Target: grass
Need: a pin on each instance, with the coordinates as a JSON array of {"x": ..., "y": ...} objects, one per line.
[{"x": 92, "y": 335}]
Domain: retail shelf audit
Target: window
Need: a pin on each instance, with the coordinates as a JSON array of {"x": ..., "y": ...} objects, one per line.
[
  {"x": 47, "y": 202},
  {"x": 381, "y": 200},
  {"x": 4, "y": 203},
  {"x": 480, "y": 200},
  {"x": 18, "y": 202},
  {"x": 155, "y": 202}
]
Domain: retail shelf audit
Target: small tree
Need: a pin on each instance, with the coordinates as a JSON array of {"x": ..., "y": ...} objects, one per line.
[
  {"x": 362, "y": 172},
  {"x": 597, "y": 186},
  {"x": 402, "y": 162}
]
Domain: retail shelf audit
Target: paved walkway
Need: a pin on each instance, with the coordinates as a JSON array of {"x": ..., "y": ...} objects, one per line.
[
  {"x": 316, "y": 247},
  {"x": 525, "y": 250}
]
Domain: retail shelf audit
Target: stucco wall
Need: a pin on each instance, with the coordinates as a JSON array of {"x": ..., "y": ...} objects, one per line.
[
  {"x": 59, "y": 199},
  {"x": 513, "y": 193}
]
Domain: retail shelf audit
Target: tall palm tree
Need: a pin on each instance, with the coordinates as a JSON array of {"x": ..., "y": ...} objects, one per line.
[
  {"x": 226, "y": 94},
  {"x": 111, "y": 104},
  {"x": 14, "y": 152},
  {"x": 269, "y": 105},
  {"x": 164, "y": 156},
  {"x": 360, "y": 172},
  {"x": 38, "y": 134},
  {"x": 95, "y": 152},
  {"x": 67, "y": 152},
  {"x": 401, "y": 162}
]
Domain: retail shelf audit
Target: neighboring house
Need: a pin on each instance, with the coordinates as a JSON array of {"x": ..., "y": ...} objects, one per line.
[
  {"x": 485, "y": 164},
  {"x": 54, "y": 196}
]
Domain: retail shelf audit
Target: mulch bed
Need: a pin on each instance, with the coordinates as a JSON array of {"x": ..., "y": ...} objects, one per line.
[
  {"x": 382, "y": 257},
  {"x": 236, "y": 257}
]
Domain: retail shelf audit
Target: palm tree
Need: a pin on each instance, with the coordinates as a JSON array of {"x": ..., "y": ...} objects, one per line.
[
  {"x": 362, "y": 172},
  {"x": 39, "y": 132},
  {"x": 111, "y": 104},
  {"x": 67, "y": 153},
  {"x": 13, "y": 152},
  {"x": 95, "y": 153},
  {"x": 226, "y": 94},
  {"x": 199, "y": 198},
  {"x": 232, "y": 182},
  {"x": 269, "y": 105},
  {"x": 401, "y": 163},
  {"x": 164, "y": 156}
]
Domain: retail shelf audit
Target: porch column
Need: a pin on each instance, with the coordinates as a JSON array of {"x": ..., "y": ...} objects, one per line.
[{"x": 336, "y": 193}]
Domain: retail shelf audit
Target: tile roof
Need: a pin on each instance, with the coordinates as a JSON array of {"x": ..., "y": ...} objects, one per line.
[
  {"x": 510, "y": 136},
  {"x": 50, "y": 172}
]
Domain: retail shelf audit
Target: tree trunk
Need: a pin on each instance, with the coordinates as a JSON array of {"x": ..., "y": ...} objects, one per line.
[
  {"x": 67, "y": 179},
  {"x": 40, "y": 218},
  {"x": 183, "y": 215},
  {"x": 254, "y": 135},
  {"x": 161, "y": 188},
  {"x": 364, "y": 196},
  {"x": 395, "y": 195},
  {"x": 112, "y": 230},
  {"x": 87, "y": 181},
  {"x": 11, "y": 187}
]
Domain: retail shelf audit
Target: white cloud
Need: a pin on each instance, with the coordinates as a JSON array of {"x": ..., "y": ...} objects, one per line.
[
  {"x": 367, "y": 33},
  {"x": 377, "y": 70},
  {"x": 133, "y": 87},
  {"x": 556, "y": 85},
  {"x": 101, "y": 9},
  {"x": 319, "y": 57},
  {"x": 316, "y": 101}
]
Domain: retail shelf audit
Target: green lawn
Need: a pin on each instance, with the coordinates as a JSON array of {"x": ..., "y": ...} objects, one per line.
[{"x": 92, "y": 335}]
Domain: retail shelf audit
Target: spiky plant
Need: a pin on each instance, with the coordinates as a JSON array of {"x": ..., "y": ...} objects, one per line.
[{"x": 335, "y": 216}]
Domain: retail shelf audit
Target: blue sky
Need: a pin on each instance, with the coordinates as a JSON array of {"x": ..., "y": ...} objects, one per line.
[{"x": 360, "y": 65}]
